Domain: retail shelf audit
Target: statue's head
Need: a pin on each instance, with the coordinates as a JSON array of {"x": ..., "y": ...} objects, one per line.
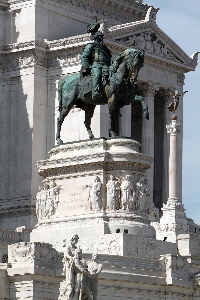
[
  {"x": 112, "y": 177},
  {"x": 97, "y": 179},
  {"x": 53, "y": 184},
  {"x": 74, "y": 239},
  {"x": 98, "y": 37}
]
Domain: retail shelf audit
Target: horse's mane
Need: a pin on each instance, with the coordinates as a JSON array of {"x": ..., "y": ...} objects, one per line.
[{"x": 122, "y": 56}]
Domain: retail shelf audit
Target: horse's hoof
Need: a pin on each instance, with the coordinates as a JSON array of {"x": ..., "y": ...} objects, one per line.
[
  {"x": 59, "y": 141},
  {"x": 91, "y": 135}
]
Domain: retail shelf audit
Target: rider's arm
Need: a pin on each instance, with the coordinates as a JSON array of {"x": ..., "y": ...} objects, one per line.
[{"x": 85, "y": 57}]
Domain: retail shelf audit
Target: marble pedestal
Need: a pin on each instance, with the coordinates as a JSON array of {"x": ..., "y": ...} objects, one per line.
[
  {"x": 75, "y": 199},
  {"x": 63, "y": 203}
]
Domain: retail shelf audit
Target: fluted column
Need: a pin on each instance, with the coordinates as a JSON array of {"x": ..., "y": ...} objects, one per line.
[
  {"x": 147, "y": 144},
  {"x": 125, "y": 121},
  {"x": 173, "y": 129}
]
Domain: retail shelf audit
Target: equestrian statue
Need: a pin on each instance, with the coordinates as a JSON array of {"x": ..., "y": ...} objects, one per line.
[{"x": 100, "y": 82}]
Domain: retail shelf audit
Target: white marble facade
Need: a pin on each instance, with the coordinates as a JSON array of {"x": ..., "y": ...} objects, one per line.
[{"x": 112, "y": 206}]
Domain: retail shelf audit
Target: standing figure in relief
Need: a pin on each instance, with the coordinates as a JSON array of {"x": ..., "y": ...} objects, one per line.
[
  {"x": 113, "y": 193},
  {"x": 128, "y": 193},
  {"x": 140, "y": 41},
  {"x": 39, "y": 203},
  {"x": 95, "y": 194},
  {"x": 53, "y": 196},
  {"x": 148, "y": 41},
  {"x": 142, "y": 195},
  {"x": 44, "y": 199},
  {"x": 156, "y": 45},
  {"x": 131, "y": 41},
  {"x": 164, "y": 50}
]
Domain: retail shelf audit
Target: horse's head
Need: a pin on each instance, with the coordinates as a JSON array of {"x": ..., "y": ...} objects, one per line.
[{"x": 135, "y": 61}]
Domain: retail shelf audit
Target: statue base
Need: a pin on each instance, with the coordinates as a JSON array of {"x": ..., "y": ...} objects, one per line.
[{"x": 69, "y": 201}]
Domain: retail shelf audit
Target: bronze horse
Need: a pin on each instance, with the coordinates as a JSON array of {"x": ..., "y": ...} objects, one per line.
[{"x": 118, "y": 92}]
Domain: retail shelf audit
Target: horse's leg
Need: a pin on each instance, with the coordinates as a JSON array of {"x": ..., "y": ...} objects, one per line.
[
  {"x": 63, "y": 113},
  {"x": 89, "y": 112},
  {"x": 111, "y": 121},
  {"x": 144, "y": 105}
]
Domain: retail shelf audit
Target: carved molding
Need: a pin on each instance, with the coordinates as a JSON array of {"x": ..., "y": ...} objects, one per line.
[
  {"x": 171, "y": 227},
  {"x": 175, "y": 205},
  {"x": 23, "y": 45},
  {"x": 23, "y": 59},
  {"x": 37, "y": 254},
  {"x": 106, "y": 143},
  {"x": 62, "y": 162},
  {"x": 63, "y": 171}
]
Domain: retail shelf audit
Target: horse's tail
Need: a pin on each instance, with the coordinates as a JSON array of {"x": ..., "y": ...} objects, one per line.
[{"x": 60, "y": 84}]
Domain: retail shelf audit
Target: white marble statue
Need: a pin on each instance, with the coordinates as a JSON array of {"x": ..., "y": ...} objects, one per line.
[
  {"x": 113, "y": 193},
  {"x": 72, "y": 263},
  {"x": 95, "y": 194},
  {"x": 142, "y": 194},
  {"x": 127, "y": 193},
  {"x": 94, "y": 269},
  {"x": 81, "y": 279}
]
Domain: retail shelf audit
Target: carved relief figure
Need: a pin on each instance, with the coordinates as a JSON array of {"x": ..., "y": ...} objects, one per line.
[
  {"x": 47, "y": 199},
  {"x": 148, "y": 41},
  {"x": 127, "y": 193},
  {"x": 131, "y": 40},
  {"x": 156, "y": 46},
  {"x": 142, "y": 195},
  {"x": 164, "y": 50},
  {"x": 113, "y": 193},
  {"x": 141, "y": 41},
  {"x": 95, "y": 194},
  {"x": 41, "y": 200}
]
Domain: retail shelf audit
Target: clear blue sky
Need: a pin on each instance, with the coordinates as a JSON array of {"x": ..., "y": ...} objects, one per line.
[{"x": 180, "y": 19}]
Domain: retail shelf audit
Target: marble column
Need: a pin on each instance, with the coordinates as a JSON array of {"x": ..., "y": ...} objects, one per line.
[
  {"x": 147, "y": 144},
  {"x": 174, "y": 221},
  {"x": 173, "y": 128},
  {"x": 125, "y": 121}
]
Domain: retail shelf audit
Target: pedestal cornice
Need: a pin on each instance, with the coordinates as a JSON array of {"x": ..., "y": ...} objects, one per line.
[{"x": 90, "y": 155}]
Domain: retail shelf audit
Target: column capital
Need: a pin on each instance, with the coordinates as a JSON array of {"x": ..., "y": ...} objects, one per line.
[
  {"x": 148, "y": 88},
  {"x": 173, "y": 127},
  {"x": 180, "y": 79}
]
